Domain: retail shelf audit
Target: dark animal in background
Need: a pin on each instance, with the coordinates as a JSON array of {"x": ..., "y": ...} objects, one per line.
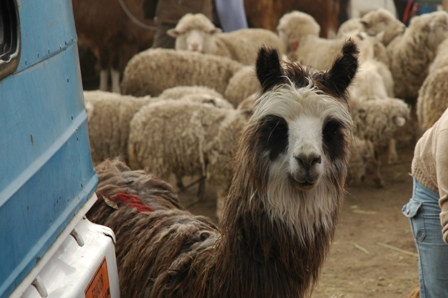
[
  {"x": 281, "y": 211},
  {"x": 104, "y": 27}
]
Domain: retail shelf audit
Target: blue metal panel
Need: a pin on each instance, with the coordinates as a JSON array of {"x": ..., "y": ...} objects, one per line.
[
  {"x": 47, "y": 28},
  {"x": 46, "y": 172}
]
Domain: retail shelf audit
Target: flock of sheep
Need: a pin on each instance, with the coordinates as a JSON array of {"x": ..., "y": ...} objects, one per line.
[{"x": 181, "y": 112}]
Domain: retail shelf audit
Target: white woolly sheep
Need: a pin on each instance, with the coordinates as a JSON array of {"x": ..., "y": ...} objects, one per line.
[
  {"x": 382, "y": 20},
  {"x": 199, "y": 94},
  {"x": 152, "y": 71},
  {"x": 186, "y": 139},
  {"x": 205, "y": 98},
  {"x": 379, "y": 121},
  {"x": 294, "y": 26},
  {"x": 411, "y": 54},
  {"x": 318, "y": 52},
  {"x": 352, "y": 27},
  {"x": 432, "y": 98},
  {"x": 368, "y": 83},
  {"x": 241, "y": 85},
  {"x": 433, "y": 94},
  {"x": 361, "y": 156},
  {"x": 441, "y": 59},
  {"x": 300, "y": 33},
  {"x": 109, "y": 115},
  {"x": 195, "y": 32},
  {"x": 180, "y": 91},
  {"x": 373, "y": 79}
]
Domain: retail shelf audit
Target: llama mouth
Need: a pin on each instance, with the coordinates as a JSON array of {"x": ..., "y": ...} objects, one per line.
[{"x": 302, "y": 185}]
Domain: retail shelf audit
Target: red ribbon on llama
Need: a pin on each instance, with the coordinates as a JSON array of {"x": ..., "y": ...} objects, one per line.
[{"x": 132, "y": 201}]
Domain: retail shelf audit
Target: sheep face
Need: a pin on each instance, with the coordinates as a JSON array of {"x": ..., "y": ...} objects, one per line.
[
  {"x": 383, "y": 20},
  {"x": 295, "y": 25},
  {"x": 194, "y": 32},
  {"x": 193, "y": 40},
  {"x": 299, "y": 133},
  {"x": 361, "y": 154}
]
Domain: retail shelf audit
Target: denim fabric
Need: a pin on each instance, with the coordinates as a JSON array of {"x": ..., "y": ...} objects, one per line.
[
  {"x": 423, "y": 213},
  {"x": 231, "y": 14}
]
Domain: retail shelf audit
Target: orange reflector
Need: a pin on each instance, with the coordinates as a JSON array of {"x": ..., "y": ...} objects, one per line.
[{"x": 99, "y": 284}]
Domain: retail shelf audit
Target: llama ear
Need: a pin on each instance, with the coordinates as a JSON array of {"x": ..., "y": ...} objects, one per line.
[
  {"x": 268, "y": 68},
  {"x": 339, "y": 77}
]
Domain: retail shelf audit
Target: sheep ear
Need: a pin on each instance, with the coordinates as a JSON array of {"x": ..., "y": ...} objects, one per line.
[
  {"x": 380, "y": 36},
  {"x": 215, "y": 31},
  {"x": 364, "y": 23},
  {"x": 339, "y": 77},
  {"x": 294, "y": 43},
  {"x": 89, "y": 110},
  {"x": 173, "y": 33},
  {"x": 268, "y": 68}
]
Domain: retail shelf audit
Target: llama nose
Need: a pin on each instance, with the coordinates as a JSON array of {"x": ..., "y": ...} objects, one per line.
[{"x": 308, "y": 160}]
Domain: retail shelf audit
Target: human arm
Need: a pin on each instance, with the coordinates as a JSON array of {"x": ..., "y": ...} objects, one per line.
[{"x": 442, "y": 179}]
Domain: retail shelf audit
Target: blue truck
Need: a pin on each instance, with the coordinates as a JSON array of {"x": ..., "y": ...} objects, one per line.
[{"x": 47, "y": 179}]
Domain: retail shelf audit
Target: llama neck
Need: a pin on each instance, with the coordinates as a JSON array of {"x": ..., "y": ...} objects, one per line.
[
  {"x": 261, "y": 257},
  {"x": 274, "y": 235}
]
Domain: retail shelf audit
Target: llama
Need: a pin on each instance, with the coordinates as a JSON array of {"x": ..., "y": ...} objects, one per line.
[{"x": 281, "y": 210}]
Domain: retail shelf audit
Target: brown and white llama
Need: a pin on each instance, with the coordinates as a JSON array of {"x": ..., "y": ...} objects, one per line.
[{"x": 281, "y": 211}]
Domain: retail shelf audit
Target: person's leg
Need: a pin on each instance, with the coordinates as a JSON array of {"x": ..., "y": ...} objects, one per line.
[
  {"x": 423, "y": 212},
  {"x": 231, "y": 14}
]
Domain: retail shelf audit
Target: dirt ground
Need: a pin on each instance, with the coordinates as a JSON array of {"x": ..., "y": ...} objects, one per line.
[{"x": 373, "y": 254}]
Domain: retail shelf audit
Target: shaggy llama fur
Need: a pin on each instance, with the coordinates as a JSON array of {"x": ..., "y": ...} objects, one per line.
[{"x": 281, "y": 211}]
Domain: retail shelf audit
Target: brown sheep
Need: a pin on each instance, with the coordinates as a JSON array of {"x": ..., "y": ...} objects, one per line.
[{"x": 104, "y": 27}]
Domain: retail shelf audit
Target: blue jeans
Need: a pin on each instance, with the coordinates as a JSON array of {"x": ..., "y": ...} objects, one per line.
[
  {"x": 231, "y": 14},
  {"x": 423, "y": 212}
]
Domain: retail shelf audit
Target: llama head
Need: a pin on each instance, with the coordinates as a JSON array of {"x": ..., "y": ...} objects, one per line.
[
  {"x": 295, "y": 146},
  {"x": 303, "y": 117}
]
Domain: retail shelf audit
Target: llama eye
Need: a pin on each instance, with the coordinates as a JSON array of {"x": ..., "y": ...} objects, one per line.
[
  {"x": 333, "y": 139},
  {"x": 273, "y": 135}
]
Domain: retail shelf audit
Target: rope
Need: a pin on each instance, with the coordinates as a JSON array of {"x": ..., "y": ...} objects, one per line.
[
  {"x": 134, "y": 19},
  {"x": 195, "y": 182}
]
